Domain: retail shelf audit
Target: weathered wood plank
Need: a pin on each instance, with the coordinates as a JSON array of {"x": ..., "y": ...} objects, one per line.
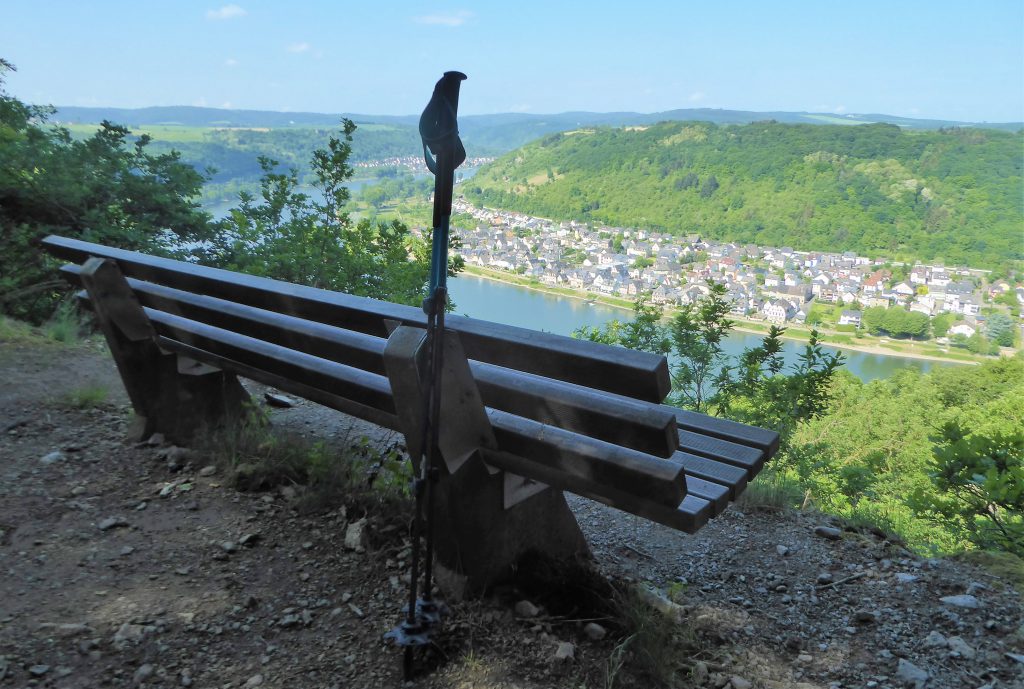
[
  {"x": 613, "y": 369},
  {"x": 724, "y": 429},
  {"x": 312, "y": 394},
  {"x": 661, "y": 481},
  {"x": 734, "y": 478},
  {"x": 613, "y": 418},
  {"x": 345, "y": 381},
  {"x": 688, "y": 516},
  {"x": 750, "y": 459},
  {"x": 716, "y": 494},
  {"x": 638, "y": 425}
]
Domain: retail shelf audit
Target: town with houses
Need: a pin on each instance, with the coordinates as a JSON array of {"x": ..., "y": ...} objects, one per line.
[{"x": 777, "y": 285}]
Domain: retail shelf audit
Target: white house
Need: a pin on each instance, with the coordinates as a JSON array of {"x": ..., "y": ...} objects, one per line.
[
  {"x": 778, "y": 310},
  {"x": 850, "y": 318},
  {"x": 903, "y": 289},
  {"x": 962, "y": 328}
]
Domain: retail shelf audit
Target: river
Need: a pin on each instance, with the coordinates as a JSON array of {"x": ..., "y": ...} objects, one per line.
[
  {"x": 219, "y": 209},
  {"x": 513, "y": 305}
]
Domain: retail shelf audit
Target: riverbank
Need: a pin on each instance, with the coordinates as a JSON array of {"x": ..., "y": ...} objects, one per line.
[{"x": 879, "y": 346}]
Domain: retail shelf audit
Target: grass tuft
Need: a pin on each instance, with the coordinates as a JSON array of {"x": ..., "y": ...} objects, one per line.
[
  {"x": 17, "y": 332},
  {"x": 87, "y": 396},
  {"x": 772, "y": 491},
  {"x": 655, "y": 645},
  {"x": 65, "y": 325},
  {"x": 258, "y": 457}
]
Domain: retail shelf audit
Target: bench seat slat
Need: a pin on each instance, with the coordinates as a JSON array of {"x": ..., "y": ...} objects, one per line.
[
  {"x": 688, "y": 516},
  {"x": 614, "y": 369},
  {"x": 724, "y": 429},
  {"x": 734, "y": 478},
  {"x": 750, "y": 459},
  {"x": 345, "y": 381},
  {"x": 715, "y": 493},
  {"x": 637, "y": 425},
  {"x": 659, "y": 480}
]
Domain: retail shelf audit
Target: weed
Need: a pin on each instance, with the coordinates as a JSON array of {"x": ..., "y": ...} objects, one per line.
[
  {"x": 616, "y": 661},
  {"x": 774, "y": 491},
  {"x": 65, "y": 325},
  {"x": 86, "y": 397},
  {"x": 15, "y": 331},
  {"x": 656, "y": 645},
  {"x": 1006, "y": 566},
  {"x": 259, "y": 457}
]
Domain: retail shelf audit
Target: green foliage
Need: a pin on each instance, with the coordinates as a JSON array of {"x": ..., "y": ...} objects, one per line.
[
  {"x": 310, "y": 239},
  {"x": 644, "y": 332},
  {"x": 751, "y": 388},
  {"x": 1009, "y": 300},
  {"x": 1000, "y": 329},
  {"x": 875, "y": 189},
  {"x": 774, "y": 489},
  {"x": 65, "y": 325},
  {"x": 873, "y": 447},
  {"x": 698, "y": 332},
  {"x": 979, "y": 484},
  {"x": 101, "y": 189},
  {"x": 895, "y": 322},
  {"x": 941, "y": 323}
]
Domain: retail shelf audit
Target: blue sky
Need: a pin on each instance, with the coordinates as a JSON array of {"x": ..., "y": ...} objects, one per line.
[{"x": 949, "y": 60}]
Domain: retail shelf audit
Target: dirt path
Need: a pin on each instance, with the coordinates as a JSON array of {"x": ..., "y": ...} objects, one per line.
[{"x": 125, "y": 566}]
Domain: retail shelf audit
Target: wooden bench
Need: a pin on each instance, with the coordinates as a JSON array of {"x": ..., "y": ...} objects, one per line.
[{"x": 522, "y": 411}]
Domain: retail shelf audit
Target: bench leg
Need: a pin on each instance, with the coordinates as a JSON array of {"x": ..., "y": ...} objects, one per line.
[
  {"x": 477, "y": 537},
  {"x": 480, "y": 530},
  {"x": 169, "y": 394}
]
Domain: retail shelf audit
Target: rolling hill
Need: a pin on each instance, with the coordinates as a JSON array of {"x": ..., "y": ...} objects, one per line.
[
  {"x": 950, "y": 194},
  {"x": 484, "y": 135}
]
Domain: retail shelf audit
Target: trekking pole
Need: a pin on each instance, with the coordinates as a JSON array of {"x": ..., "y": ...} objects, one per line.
[
  {"x": 440, "y": 134},
  {"x": 439, "y": 129}
]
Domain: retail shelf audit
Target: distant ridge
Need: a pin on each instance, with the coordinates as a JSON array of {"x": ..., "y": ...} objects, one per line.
[
  {"x": 217, "y": 117},
  {"x": 496, "y": 133}
]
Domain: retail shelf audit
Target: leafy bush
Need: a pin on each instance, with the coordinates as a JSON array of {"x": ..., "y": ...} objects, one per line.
[
  {"x": 979, "y": 486},
  {"x": 100, "y": 189}
]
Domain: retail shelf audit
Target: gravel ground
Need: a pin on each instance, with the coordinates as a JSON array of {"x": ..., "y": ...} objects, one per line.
[{"x": 125, "y": 565}]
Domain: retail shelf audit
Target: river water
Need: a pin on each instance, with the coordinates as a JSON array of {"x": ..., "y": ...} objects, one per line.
[{"x": 513, "y": 305}]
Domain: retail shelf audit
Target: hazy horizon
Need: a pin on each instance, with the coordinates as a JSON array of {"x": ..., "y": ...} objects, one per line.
[
  {"x": 530, "y": 114},
  {"x": 936, "y": 60}
]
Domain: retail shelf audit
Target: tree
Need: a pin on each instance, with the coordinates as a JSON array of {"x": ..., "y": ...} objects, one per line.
[
  {"x": 644, "y": 332},
  {"x": 873, "y": 319},
  {"x": 1009, "y": 300},
  {"x": 709, "y": 187},
  {"x": 697, "y": 332},
  {"x": 941, "y": 323},
  {"x": 752, "y": 388},
  {"x": 1000, "y": 329},
  {"x": 289, "y": 235},
  {"x": 106, "y": 189}
]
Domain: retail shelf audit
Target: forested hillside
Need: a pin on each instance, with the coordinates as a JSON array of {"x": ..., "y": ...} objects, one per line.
[
  {"x": 231, "y": 152},
  {"x": 952, "y": 194}
]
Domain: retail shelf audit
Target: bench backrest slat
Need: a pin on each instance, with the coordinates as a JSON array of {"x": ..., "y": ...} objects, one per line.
[
  {"x": 613, "y": 369},
  {"x": 639, "y": 425}
]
